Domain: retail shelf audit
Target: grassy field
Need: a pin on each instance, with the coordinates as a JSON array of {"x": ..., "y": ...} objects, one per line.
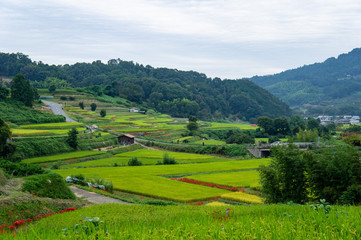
[
  {"x": 45, "y": 132},
  {"x": 242, "y": 126},
  {"x": 198, "y": 222},
  {"x": 210, "y": 142},
  {"x": 146, "y": 180},
  {"x": 232, "y": 179},
  {"x": 243, "y": 197},
  {"x": 61, "y": 125},
  {"x": 65, "y": 156},
  {"x": 147, "y": 153}
]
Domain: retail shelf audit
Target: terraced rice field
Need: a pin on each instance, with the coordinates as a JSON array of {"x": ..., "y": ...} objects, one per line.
[
  {"x": 45, "y": 132},
  {"x": 243, "y": 197},
  {"x": 210, "y": 142},
  {"x": 61, "y": 125},
  {"x": 198, "y": 222},
  {"x": 231, "y": 179},
  {"x": 60, "y": 157},
  {"x": 232, "y": 125},
  {"x": 147, "y": 180}
]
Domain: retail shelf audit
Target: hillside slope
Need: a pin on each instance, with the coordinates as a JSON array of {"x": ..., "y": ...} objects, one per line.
[
  {"x": 335, "y": 81},
  {"x": 179, "y": 93}
]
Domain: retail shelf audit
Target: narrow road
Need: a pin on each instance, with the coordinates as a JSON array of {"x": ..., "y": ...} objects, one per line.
[
  {"x": 58, "y": 110},
  {"x": 94, "y": 197}
]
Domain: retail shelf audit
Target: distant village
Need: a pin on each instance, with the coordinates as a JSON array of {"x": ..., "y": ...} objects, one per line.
[{"x": 347, "y": 119}]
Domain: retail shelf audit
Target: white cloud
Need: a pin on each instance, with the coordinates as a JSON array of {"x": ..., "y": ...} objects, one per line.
[{"x": 230, "y": 39}]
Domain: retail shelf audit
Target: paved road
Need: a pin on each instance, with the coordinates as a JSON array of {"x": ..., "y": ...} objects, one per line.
[
  {"x": 94, "y": 197},
  {"x": 58, "y": 110}
]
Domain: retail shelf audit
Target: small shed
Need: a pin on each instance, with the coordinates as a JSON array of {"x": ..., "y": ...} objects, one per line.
[{"x": 126, "y": 139}]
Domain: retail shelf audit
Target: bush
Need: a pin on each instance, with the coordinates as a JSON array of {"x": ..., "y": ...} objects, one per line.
[
  {"x": 71, "y": 98},
  {"x": 168, "y": 160},
  {"x": 34, "y": 147},
  {"x": 134, "y": 162},
  {"x": 63, "y": 98},
  {"x": 20, "y": 169},
  {"x": 352, "y": 195},
  {"x": 3, "y": 178},
  {"x": 48, "y": 185}
]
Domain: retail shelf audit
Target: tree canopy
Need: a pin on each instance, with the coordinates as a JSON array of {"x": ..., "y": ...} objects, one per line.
[{"x": 179, "y": 93}]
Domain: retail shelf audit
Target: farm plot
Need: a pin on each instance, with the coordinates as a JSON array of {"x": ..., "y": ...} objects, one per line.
[
  {"x": 242, "y": 126},
  {"x": 231, "y": 179},
  {"x": 198, "y": 222},
  {"x": 210, "y": 142},
  {"x": 60, "y": 125},
  {"x": 147, "y": 153},
  {"x": 243, "y": 197},
  {"x": 60, "y": 157},
  {"x": 146, "y": 180},
  {"x": 45, "y": 132}
]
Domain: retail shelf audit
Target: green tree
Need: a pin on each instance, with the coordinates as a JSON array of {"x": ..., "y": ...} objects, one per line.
[
  {"x": 334, "y": 173},
  {"x": 52, "y": 88},
  {"x": 21, "y": 90},
  {"x": 266, "y": 124},
  {"x": 72, "y": 139},
  {"x": 192, "y": 119},
  {"x": 5, "y": 134},
  {"x": 93, "y": 106},
  {"x": 239, "y": 138},
  {"x": 285, "y": 179},
  {"x": 192, "y": 126},
  {"x": 312, "y": 124},
  {"x": 296, "y": 123},
  {"x": 81, "y": 105},
  {"x": 4, "y": 93},
  {"x": 103, "y": 113},
  {"x": 281, "y": 126}
]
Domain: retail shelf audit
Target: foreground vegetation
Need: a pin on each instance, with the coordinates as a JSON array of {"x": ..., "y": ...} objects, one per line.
[{"x": 197, "y": 222}]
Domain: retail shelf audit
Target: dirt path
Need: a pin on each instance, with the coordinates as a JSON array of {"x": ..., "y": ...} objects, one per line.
[{"x": 94, "y": 197}]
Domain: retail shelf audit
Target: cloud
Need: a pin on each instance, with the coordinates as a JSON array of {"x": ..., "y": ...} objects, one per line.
[{"x": 229, "y": 39}]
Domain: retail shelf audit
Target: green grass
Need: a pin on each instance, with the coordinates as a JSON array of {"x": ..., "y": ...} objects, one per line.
[
  {"x": 45, "y": 132},
  {"x": 52, "y": 125},
  {"x": 241, "y": 126},
  {"x": 148, "y": 153},
  {"x": 199, "y": 222},
  {"x": 145, "y": 180},
  {"x": 210, "y": 142},
  {"x": 232, "y": 179},
  {"x": 123, "y": 161},
  {"x": 60, "y": 157}
]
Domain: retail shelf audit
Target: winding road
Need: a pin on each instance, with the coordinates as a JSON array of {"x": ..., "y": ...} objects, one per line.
[{"x": 58, "y": 110}]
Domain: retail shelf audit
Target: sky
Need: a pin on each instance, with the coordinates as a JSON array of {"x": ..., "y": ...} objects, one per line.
[{"x": 222, "y": 38}]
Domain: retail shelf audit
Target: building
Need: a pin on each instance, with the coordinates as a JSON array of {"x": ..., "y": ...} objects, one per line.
[
  {"x": 133, "y": 110},
  {"x": 126, "y": 139}
]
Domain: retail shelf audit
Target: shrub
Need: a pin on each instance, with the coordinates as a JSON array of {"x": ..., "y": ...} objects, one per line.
[
  {"x": 103, "y": 113},
  {"x": 71, "y": 98},
  {"x": 168, "y": 160},
  {"x": 20, "y": 169},
  {"x": 134, "y": 162},
  {"x": 3, "y": 178},
  {"x": 48, "y": 185},
  {"x": 63, "y": 98}
]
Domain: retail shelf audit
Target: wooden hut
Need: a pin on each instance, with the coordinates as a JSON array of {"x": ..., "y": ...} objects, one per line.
[{"x": 126, "y": 139}]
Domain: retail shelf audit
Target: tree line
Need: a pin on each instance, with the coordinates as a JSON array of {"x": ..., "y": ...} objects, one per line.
[{"x": 179, "y": 93}]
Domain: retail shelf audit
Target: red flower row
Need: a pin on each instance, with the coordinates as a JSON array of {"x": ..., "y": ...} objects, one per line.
[
  {"x": 234, "y": 189},
  {"x": 4, "y": 227}
]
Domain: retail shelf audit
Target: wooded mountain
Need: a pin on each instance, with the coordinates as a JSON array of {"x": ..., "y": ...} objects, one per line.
[
  {"x": 179, "y": 93},
  {"x": 334, "y": 84}
]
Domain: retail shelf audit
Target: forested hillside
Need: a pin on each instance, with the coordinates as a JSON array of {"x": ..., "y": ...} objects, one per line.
[
  {"x": 335, "y": 83},
  {"x": 179, "y": 93}
]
